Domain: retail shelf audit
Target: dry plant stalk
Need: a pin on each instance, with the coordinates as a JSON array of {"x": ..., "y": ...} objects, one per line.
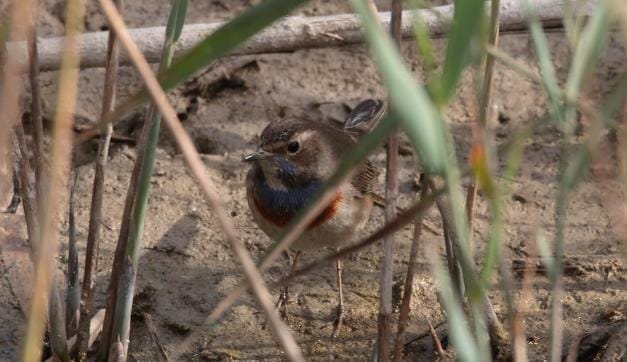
[
  {"x": 95, "y": 217},
  {"x": 391, "y": 190},
  {"x": 35, "y": 105},
  {"x": 55, "y": 190},
  {"x": 194, "y": 162},
  {"x": 408, "y": 288}
]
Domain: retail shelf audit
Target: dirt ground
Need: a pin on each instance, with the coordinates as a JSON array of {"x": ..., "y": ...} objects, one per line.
[{"x": 186, "y": 264}]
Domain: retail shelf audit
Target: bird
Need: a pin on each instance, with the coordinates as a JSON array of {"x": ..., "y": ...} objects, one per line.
[{"x": 294, "y": 158}]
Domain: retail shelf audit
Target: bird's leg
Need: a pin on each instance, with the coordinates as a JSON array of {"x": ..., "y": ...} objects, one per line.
[
  {"x": 339, "y": 312},
  {"x": 284, "y": 296}
]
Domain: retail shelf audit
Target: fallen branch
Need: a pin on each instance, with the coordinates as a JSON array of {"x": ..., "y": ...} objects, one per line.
[{"x": 292, "y": 33}]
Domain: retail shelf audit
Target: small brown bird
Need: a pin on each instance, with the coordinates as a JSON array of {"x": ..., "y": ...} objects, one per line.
[{"x": 294, "y": 159}]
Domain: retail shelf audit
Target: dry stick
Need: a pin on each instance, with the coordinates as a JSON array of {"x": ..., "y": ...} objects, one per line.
[
  {"x": 391, "y": 189},
  {"x": 197, "y": 168},
  {"x": 292, "y": 33},
  {"x": 55, "y": 190},
  {"x": 95, "y": 217},
  {"x": 409, "y": 281}
]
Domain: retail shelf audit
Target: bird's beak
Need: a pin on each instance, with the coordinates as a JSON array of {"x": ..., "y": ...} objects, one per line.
[{"x": 256, "y": 156}]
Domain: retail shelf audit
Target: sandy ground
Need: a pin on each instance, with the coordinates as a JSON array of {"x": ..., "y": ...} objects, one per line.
[{"x": 186, "y": 265}]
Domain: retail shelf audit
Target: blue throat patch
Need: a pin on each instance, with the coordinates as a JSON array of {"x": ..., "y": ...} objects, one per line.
[{"x": 284, "y": 204}]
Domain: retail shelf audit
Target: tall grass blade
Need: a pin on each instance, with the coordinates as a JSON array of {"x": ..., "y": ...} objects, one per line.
[
  {"x": 467, "y": 21},
  {"x": 73, "y": 298},
  {"x": 586, "y": 55},
  {"x": 465, "y": 347},
  {"x": 588, "y": 50},
  {"x": 547, "y": 71},
  {"x": 424, "y": 46},
  {"x": 122, "y": 311}
]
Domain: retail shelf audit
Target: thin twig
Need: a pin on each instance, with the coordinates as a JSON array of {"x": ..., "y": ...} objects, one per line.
[
  {"x": 405, "y": 309},
  {"x": 391, "y": 189},
  {"x": 197, "y": 169},
  {"x": 55, "y": 191},
  {"x": 95, "y": 214}
]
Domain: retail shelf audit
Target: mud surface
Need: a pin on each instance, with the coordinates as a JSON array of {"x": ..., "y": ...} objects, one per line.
[{"x": 186, "y": 264}]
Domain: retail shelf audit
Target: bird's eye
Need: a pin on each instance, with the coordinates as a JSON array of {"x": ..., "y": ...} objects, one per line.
[{"x": 293, "y": 147}]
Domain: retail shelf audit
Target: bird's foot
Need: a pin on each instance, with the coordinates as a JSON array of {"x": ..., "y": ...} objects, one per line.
[{"x": 281, "y": 304}]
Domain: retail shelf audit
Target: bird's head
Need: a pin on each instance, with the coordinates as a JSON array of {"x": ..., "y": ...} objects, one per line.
[{"x": 293, "y": 153}]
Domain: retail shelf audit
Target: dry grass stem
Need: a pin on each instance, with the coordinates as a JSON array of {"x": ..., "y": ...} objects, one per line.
[
  {"x": 54, "y": 193},
  {"x": 391, "y": 190},
  {"x": 412, "y": 265},
  {"x": 95, "y": 217},
  {"x": 35, "y": 91},
  {"x": 197, "y": 168},
  {"x": 121, "y": 245}
]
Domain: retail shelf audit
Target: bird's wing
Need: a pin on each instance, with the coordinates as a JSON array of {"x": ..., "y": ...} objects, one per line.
[{"x": 366, "y": 178}]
